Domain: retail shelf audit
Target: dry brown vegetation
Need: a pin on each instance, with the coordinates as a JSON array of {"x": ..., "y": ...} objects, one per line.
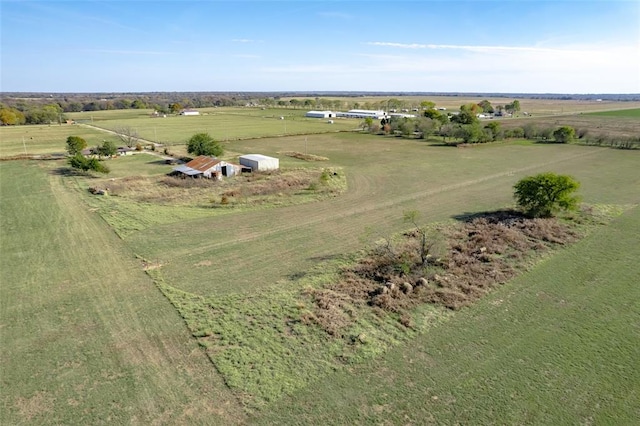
[
  {"x": 252, "y": 188},
  {"x": 302, "y": 156},
  {"x": 477, "y": 255}
]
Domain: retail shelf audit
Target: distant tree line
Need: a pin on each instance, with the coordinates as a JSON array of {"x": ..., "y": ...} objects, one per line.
[
  {"x": 31, "y": 114},
  {"x": 48, "y": 109}
]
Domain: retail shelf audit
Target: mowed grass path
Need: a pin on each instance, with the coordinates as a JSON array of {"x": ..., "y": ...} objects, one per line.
[
  {"x": 558, "y": 345},
  {"x": 87, "y": 338},
  {"x": 248, "y": 250}
]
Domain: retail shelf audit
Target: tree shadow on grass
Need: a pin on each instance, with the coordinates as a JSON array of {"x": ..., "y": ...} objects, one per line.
[
  {"x": 494, "y": 215},
  {"x": 71, "y": 172}
]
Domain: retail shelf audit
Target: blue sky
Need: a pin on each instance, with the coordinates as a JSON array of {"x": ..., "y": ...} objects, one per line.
[{"x": 429, "y": 46}]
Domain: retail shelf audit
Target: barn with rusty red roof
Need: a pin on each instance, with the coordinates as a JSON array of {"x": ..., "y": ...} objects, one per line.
[{"x": 207, "y": 167}]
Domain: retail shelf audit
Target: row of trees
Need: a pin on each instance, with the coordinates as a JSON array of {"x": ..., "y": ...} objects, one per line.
[
  {"x": 465, "y": 125},
  {"x": 35, "y": 114},
  {"x": 20, "y": 110}
]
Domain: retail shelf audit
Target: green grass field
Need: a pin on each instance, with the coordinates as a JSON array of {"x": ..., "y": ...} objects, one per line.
[
  {"x": 223, "y": 124},
  {"x": 40, "y": 139},
  {"x": 631, "y": 113},
  {"x": 86, "y": 336},
  {"x": 208, "y": 334},
  {"x": 556, "y": 346}
]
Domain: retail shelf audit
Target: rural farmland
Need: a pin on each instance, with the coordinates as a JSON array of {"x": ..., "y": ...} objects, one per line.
[{"x": 173, "y": 302}]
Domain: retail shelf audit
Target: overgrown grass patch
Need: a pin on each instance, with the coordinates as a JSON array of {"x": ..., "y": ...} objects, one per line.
[{"x": 264, "y": 347}]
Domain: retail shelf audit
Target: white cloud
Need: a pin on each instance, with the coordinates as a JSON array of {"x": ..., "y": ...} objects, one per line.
[{"x": 471, "y": 48}]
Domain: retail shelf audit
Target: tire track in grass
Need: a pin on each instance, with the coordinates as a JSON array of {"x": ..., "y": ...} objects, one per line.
[{"x": 333, "y": 211}]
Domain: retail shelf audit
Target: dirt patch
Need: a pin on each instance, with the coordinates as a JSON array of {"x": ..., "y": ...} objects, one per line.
[
  {"x": 41, "y": 403},
  {"x": 479, "y": 254},
  {"x": 305, "y": 157}
]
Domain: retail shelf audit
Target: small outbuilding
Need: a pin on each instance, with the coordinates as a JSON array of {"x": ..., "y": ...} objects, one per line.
[
  {"x": 259, "y": 162},
  {"x": 189, "y": 112}
]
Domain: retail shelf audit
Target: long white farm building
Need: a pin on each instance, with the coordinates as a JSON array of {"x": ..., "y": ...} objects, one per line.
[
  {"x": 363, "y": 113},
  {"x": 259, "y": 162},
  {"x": 320, "y": 114}
]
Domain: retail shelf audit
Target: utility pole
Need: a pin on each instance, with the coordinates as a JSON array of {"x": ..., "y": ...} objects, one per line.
[{"x": 24, "y": 145}]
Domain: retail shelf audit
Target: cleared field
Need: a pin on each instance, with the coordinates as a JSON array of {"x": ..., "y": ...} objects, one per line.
[
  {"x": 556, "y": 346},
  {"x": 39, "y": 139},
  {"x": 223, "y": 124},
  {"x": 438, "y": 181},
  {"x": 87, "y": 338}
]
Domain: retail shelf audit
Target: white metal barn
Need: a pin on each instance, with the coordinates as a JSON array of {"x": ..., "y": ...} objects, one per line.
[
  {"x": 320, "y": 114},
  {"x": 363, "y": 113},
  {"x": 259, "y": 162}
]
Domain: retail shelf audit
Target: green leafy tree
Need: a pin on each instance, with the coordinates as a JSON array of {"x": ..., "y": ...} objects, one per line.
[
  {"x": 11, "y": 117},
  {"x": 138, "y": 104},
  {"x": 545, "y": 194},
  {"x": 472, "y": 133},
  {"x": 107, "y": 149},
  {"x": 80, "y": 162},
  {"x": 203, "y": 144},
  {"x": 75, "y": 145},
  {"x": 467, "y": 115},
  {"x": 494, "y": 128},
  {"x": 426, "y": 126},
  {"x": 407, "y": 126},
  {"x": 367, "y": 124},
  {"x": 530, "y": 131},
  {"x": 486, "y": 106},
  {"x": 546, "y": 133},
  {"x": 515, "y": 133},
  {"x": 564, "y": 134},
  {"x": 513, "y": 107},
  {"x": 427, "y": 105}
]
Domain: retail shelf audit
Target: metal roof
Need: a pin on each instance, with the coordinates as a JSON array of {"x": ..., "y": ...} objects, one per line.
[
  {"x": 257, "y": 157},
  {"x": 183, "y": 168},
  {"x": 202, "y": 163}
]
